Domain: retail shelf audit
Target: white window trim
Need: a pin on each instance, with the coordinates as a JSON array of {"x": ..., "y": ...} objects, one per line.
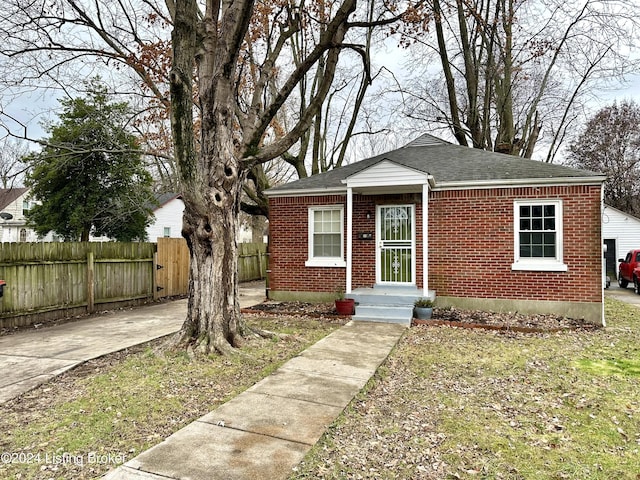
[
  {"x": 539, "y": 264},
  {"x": 325, "y": 261}
]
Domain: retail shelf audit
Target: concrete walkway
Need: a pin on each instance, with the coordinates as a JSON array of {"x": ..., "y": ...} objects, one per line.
[
  {"x": 32, "y": 357},
  {"x": 266, "y": 431}
]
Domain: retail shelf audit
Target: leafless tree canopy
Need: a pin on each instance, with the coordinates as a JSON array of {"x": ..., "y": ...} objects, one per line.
[
  {"x": 610, "y": 144},
  {"x": 515, "y": 75},
  {"x": 12, "y": 168}
]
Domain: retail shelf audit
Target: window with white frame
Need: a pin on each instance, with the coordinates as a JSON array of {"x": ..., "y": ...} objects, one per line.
[
  {"x": 26, "y": 206},
  {"x": 166, "y": 232},
  {"x": 326, "y": 243},
  {"x": 538, "y": 235}
]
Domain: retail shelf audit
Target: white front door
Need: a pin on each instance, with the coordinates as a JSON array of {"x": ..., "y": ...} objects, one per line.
[{"x": 395, "y": 240}]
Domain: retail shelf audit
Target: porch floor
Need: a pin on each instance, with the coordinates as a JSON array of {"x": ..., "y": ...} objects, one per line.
[{"x": 387, "y": 303}]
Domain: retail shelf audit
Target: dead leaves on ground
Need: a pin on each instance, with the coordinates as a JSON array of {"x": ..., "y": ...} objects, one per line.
[{"x": 458, "y": 403}]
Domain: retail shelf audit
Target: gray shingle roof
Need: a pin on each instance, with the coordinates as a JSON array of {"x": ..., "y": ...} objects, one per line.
[
  {"x": 8, "y": 195},
  {"x": 447, "y": 163},
  {"x": 163, "y": 198}
]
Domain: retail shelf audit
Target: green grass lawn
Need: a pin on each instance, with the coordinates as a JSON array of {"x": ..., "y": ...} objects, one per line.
[
  {"x": 448, "y": 403},
  {"x": 455, "y": 403},
  {"x": 87, "y": 421}
]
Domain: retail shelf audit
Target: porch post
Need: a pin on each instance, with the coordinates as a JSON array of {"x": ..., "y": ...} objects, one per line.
[
  {"x": 349, "y": 237},
  {"x": 425, "y": 239}
]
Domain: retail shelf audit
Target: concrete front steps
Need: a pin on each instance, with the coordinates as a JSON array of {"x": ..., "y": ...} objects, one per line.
[{"x": 388, "y": 304}]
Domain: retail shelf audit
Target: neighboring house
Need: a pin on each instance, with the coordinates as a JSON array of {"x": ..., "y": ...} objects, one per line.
[
  {"x": 168, "y": 217},
  {"x": 621, "y": 233},
  {"x": 168, "y": 220},
  {"x": 471, "y": 228},
  {"x": 14, "y": 202}
]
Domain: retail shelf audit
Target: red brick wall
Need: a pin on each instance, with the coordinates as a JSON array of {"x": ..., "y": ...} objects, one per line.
[
  {"x": 363, "y": 273},
  {"x": 470, "y": 244},
  {"x": 364, "y": 251},
  {"x": 288, "y": 247}
]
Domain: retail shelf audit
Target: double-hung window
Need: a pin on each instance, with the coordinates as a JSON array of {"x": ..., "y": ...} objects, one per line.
[
  {"x": 326, "y": 242},
  {"x": 538, "y": 235}
]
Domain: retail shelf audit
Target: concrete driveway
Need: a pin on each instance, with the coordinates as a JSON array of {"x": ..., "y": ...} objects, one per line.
[
  {"x": 623, "y": 294},
  {"x": 31, "y": 357}
]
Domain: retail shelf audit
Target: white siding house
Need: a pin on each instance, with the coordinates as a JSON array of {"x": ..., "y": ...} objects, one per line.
[
  {"x": 168, "y": 217},
  {"x": 13, "y": 226},
  {"x": 621, "y": 233},
  {"x": 168, "y": 220}
]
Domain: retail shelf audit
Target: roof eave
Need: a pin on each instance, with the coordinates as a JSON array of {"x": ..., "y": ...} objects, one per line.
[
  {"x": 460, "y": 185},
  {"x": 305, "y": 192},
  {"x": 520, "y": 182},
  {"x": 171, "y": 199}
]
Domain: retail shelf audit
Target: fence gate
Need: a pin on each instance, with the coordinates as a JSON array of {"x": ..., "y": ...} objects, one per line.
[{"x": 172, "y": 274}]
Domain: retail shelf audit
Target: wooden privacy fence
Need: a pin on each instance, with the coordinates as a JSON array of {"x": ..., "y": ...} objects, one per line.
[
  {"x": 55, "y": 280},
  {"x": 173, "y": 265},
  {"x": 252, "y": 261},
  {"x": 52, "y": 280}
]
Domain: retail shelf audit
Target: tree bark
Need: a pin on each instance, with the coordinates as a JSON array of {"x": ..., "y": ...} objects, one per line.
[
  {"x": 232, "y": 142},
  {"x": 211, "y": 178},
  {"x": 456, "y": 123},
  {"x": 213, "y": 312}
]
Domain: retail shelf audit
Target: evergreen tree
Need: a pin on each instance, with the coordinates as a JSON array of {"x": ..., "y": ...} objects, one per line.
[{"x": 89, "y": 177}]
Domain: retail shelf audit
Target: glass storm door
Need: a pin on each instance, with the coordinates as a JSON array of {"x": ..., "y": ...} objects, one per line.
[{"x": 395, "y": 260}]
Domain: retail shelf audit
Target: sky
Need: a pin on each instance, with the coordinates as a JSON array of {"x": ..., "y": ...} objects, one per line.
[
  {"x": 34, "y": 108},
  {"x": 30, "y": 110}
]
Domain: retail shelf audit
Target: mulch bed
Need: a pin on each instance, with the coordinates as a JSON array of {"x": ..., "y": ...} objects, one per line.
[
  {"x": 503, "y": 321},
  {"x": 294, "y": 308},
  {"x": 507, "y": 321}
]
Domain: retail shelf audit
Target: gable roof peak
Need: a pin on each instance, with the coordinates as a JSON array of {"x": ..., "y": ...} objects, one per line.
[
  {"x": 426, "y": 140},
  {"x": 8, "y": 195}
]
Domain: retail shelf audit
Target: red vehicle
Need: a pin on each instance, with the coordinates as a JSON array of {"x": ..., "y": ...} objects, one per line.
[{"x": 629, "y": 270}]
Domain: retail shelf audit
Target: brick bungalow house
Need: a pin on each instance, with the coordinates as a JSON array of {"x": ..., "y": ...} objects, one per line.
[{"x": 466, "y": 227}]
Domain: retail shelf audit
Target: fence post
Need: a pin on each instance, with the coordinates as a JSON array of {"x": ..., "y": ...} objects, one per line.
[
  {"x": 154, "y": 267},
  {"x": 260, "y": 269},
  {"x": 90, "y": 283}
]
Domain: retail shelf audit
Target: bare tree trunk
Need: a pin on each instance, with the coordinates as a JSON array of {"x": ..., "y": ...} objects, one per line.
[
  {"x": 211, "y": 178},
  {"x": 231, "y": 144},
  {"x": 505, "y": 139},
  {"x": 472, "y": 79},
  {"x": 458, "y": 131},
  {"x": 213, "y": 312}
]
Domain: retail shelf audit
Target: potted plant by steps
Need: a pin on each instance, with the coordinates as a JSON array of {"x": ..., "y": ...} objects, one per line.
[
  {"x": 423, "y": 309},
  {"x": 345, "y": 306}
]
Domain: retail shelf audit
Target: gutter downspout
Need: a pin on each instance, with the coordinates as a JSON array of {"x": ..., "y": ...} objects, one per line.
[
  {"x": 425, "y": 239},
  {"x": 602, "y": 260},
  {"x": 349, "y": 238}
]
